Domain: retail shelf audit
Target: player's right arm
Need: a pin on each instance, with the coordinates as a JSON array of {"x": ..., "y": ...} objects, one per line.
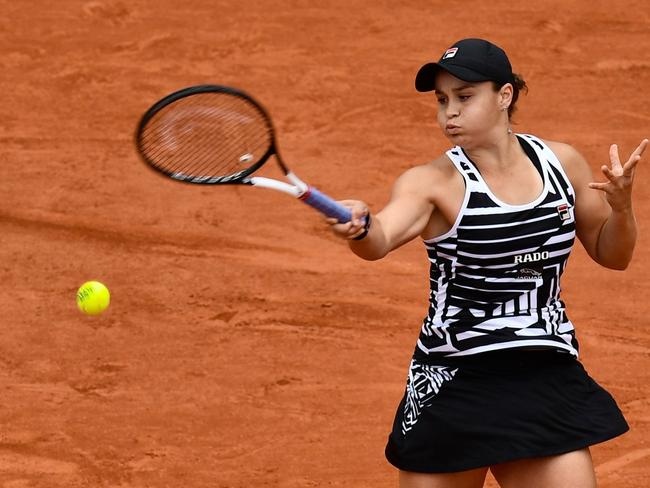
[{"x": 404, "y": 217}]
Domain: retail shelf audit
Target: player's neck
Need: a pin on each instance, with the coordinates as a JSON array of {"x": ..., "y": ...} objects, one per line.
[{"x": 499, "y": 152}]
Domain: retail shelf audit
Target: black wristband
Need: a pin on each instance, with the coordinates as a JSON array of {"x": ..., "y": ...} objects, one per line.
[{"x": 366, "y": 228}]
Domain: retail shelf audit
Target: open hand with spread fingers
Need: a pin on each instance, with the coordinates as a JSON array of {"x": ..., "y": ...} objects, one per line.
[{"x": 618, "y": 188}]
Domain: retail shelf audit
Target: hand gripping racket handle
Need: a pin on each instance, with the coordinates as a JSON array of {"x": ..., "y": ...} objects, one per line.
[{"x": 326, "y": 205}]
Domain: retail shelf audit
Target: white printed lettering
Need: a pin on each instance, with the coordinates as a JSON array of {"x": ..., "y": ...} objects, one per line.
[{"x": 531, "y": 257}]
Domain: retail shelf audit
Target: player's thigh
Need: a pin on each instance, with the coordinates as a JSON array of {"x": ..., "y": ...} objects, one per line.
[
  {"x": 572, "y": 470},
  {"x": 473, "y": 478}
]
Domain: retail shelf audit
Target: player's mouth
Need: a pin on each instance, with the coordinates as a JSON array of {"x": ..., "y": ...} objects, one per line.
[{"x": 453, "y": 129}]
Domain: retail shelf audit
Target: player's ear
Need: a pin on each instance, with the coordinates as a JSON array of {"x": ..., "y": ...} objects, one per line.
[{"x": 505, "y": 96}]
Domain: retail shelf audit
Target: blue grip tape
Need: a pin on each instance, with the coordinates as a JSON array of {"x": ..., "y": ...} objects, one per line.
[{"x": 326, "y": 205}]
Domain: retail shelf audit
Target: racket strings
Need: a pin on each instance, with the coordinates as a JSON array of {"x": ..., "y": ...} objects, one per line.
[
  {"x": 211, "y": 137},
  {"x": 206, "y": 135},
  {"x": 204, "y": 139}
]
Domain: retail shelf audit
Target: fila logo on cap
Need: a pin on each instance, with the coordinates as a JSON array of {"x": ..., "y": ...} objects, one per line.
[{"x": 450, "y": 53}]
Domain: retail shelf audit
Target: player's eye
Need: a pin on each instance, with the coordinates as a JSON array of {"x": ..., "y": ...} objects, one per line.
[
  {"x": 442, "y": 100},
  {"x": 464, "y": 98}
]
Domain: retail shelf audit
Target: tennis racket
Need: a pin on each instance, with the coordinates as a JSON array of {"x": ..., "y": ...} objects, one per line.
[{"x": 218, "y": 135}]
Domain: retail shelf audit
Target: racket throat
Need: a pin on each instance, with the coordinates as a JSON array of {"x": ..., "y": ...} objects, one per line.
[
  {"x": 302, "y": 187},
  {"x": 262, "y": 182}
]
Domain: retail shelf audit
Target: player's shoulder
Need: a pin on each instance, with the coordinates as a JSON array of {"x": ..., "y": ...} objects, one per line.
[
  {"x": 572, "y": 161},
  {"x": 430, "y": 180},
  {"x": 561, "y": 148},
  {"x": 439, "y": 169}
]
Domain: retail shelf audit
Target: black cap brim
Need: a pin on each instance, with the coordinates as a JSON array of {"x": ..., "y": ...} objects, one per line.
[{"x": 425, "y": 80}]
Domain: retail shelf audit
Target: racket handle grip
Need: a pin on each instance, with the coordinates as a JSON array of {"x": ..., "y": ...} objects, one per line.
[{"x": 326, "y": 205}]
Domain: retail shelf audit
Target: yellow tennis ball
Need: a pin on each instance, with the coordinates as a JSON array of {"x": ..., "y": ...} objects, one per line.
[{"x": 93, "y": 297}]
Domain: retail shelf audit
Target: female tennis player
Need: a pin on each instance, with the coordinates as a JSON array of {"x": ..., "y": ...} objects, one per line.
[{"x": 495, "y": 382}]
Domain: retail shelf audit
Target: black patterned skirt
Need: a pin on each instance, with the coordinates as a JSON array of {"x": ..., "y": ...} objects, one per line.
[{"x": 482, "y": 410}]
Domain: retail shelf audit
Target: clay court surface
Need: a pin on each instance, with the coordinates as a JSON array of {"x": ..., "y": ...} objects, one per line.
[{"x": 245, "y": 345}]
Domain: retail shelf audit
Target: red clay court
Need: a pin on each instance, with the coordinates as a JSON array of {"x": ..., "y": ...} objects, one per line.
[{"x": 245, "y": 345}]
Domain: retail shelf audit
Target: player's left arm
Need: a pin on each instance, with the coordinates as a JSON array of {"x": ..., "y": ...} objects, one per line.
[{"x": 605, "y": 222}]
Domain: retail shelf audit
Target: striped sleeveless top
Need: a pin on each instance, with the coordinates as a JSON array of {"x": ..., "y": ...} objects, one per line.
[{"x": 495, "y": 275}]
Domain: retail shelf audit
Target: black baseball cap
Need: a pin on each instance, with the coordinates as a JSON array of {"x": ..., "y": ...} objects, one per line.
[{"x": 470, "y": 60}]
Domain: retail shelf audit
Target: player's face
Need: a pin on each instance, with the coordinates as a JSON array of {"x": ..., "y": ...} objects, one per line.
[{"x": 467, "y": 112}]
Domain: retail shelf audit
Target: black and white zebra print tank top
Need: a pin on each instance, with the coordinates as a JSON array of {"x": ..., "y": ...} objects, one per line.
[{"x": 495, "y": 275}]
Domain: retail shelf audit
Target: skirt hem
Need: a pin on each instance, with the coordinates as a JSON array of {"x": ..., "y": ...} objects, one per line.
[{"x": 503, "y": 459}]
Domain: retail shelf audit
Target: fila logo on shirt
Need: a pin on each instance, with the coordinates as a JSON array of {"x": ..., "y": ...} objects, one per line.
[
  {"x": 563, "y": 212},
  {"x": 450, "y": 53},
  {"x": 531, "y": 257}
]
